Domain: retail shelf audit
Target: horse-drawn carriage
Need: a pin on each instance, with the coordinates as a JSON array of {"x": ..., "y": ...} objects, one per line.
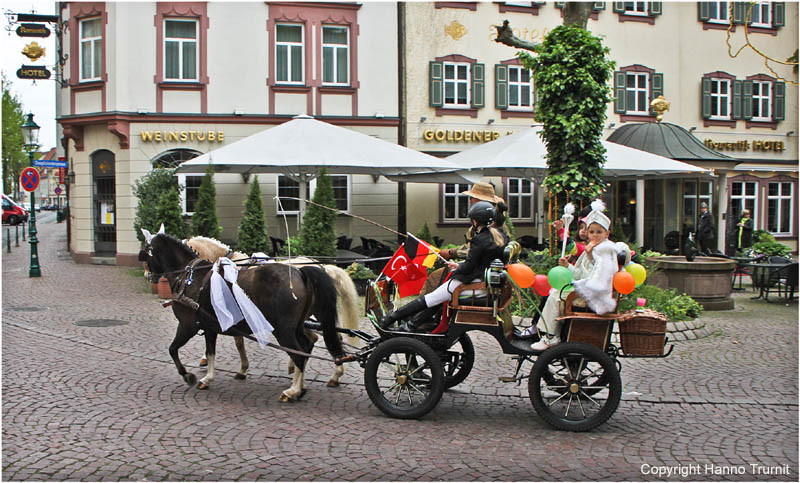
[{"x": 573, "y": 386}]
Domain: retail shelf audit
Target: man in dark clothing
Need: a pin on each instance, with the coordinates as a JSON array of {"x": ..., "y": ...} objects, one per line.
[{"x": 705, "y": 230}]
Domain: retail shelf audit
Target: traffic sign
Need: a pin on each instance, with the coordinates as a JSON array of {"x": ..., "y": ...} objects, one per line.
[
  {"x": 57, "y": 190},
  {"x": 29, "y": 179},
  {"x": 50, "y": 163}
]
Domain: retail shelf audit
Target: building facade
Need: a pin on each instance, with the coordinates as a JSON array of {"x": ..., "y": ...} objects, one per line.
[{"x": 155, "y": 83}]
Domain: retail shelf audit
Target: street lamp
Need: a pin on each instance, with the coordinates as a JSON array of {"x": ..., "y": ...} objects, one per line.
[{"x": 30, "y": 133}]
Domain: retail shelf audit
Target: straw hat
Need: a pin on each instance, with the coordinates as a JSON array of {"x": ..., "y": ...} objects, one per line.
[{"x": 483, "y": 191}]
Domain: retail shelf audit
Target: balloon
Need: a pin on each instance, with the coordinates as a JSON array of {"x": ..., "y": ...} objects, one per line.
[
  {"x": 558, "y": 277},
  {"x": 541, "y": 285},
  {"x": 638, "y": 271},
  {"x": 624, "y": 282},
  {"x": 641, "y": 302},
  {"x": 521, "y": 274}
]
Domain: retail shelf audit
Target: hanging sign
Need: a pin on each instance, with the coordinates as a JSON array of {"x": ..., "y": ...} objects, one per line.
[
  {"x": 33, "y": 30},
  {"x": 33, "y": 72}
]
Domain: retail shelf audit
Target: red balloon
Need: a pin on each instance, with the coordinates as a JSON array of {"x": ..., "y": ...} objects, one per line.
[
  {"x": 521, "y": 274},
  {"x": 541, "y": 285},
  {"x": 624, "y": 282}
]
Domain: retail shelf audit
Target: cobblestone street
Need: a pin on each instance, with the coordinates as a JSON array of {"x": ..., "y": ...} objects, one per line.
[{"x": 106, "y": 403}]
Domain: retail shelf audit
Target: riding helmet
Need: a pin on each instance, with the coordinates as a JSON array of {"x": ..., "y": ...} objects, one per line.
[{"x": 482, "y": 212}]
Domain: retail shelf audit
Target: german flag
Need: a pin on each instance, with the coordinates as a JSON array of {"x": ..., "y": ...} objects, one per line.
[{"x": 420, "y": 252}]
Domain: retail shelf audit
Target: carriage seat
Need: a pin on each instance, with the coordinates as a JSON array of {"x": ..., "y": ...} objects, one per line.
[{"x": 585, "y": 325}]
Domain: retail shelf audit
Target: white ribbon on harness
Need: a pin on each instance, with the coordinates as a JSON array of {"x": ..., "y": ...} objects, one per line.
[{"x": 229, "y": 306}]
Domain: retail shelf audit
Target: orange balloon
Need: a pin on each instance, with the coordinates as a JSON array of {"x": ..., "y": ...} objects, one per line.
[
  {"x": 624, "y": 282},
  {"x": 521, "y": 274}
]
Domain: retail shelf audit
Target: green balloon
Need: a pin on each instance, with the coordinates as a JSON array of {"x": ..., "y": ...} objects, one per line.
[{"x": 558, "y": 277}]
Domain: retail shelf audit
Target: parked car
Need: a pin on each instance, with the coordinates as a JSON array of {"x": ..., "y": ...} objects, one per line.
[{"x": 12, "y": 212}]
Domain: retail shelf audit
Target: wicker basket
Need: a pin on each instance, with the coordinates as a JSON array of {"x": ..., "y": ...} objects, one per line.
[{"x": 642, "y": 332}]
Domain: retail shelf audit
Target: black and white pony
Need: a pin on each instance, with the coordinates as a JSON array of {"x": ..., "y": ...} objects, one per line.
[{"x": 284, "y": 294}]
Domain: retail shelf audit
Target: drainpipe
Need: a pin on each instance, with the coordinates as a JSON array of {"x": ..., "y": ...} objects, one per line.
[
  {"x": 402, "y": 128},
  {"x": 640, "y": 212},
  {"x": 722, "y": 210}
]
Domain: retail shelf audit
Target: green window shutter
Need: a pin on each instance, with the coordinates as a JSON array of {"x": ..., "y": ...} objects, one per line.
[
  {"x": 599, "y": 6},
  {"x": 654, "y": 8},
  {"x": 778, "y": 14},
  {"x": 478, "y": 86},
  {"x": 501, "y": 86},
  {"x": 747, "y": 99},
  {"x": 539, "y": 3},
  {"x": 656, "y": 88},
  {"x": 619, "y": 92},
  {"x": 737, "y": 100},
  {"x": 703, "y": 13},
  {"x": 705, "y": 96},
  {"x": 560, "y": 4},
  {"x": 779, "y": 101},
  {"x": 739, "y": 12},
  {"x": 746, "y": 7},
  {"x": 619, "y": 7},
  {"x": 436, "y": 74}
]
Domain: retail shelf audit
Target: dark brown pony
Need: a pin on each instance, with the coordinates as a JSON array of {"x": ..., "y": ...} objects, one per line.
[{"x": 285, "y": 295}]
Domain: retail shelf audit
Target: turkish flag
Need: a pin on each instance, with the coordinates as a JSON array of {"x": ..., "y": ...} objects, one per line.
[{"x": 409, "y": 276}]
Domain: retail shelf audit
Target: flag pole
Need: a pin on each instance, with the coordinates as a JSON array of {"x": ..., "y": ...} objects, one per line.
[{"x": 435, "y": 249}]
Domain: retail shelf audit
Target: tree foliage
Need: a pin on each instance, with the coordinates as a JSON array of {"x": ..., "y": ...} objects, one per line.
[
  {"x": 424, "y": 233},
  {"x": 148, "y": 189},
  {"x": 571, "y": 72},
  {"x": 14, "y": 159},
  {"x": 204, "y": 220},
  {"x": 168, "y": 212},
  {"x": 252, "y": 236},
  {"x": 317, "y": 235}
]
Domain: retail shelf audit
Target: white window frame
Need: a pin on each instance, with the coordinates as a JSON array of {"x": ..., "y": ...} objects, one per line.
[
  {"x": 693, "y": 198},
  {"x": 518, "y": 197},
  {"x": 635, "y": 10},
  {"x": 518, "y": 87},
  {"x": 764, "y": 9},
  {"x": 519, "y": 4},
  {"x": 288, "y": 45},
  {"x": 278, "y": 202},
  {"x": 636, "y": 90},
  {"x": 456, "y": 81},
  {"x": 181, "y": 41},
  {"x": 96, "y": 43},
  {"x": 720, "y": 97},
  {"x": 312, "y": 188},
  {"x": 760, "y": 98},
  {"x": 182, "y": 178},
  {"x": 459, "y": 198},
  {"x": 721, "y": 12},
  {"x": 741, "y": 200},
  {"x": 782, "y": 200},
  {"x": 336, "y": 48}
]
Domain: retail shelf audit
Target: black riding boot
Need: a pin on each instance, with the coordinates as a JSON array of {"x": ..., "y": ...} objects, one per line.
[
  {"x": 404, "y": 311},
  {"x": 421, "y": 317}
]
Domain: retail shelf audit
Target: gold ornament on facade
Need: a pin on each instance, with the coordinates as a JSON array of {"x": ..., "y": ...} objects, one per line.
[
  {"x": 659, "y": 105},
  {"x": 455, "y": 30},
  {"x": 33, "y": 51}
]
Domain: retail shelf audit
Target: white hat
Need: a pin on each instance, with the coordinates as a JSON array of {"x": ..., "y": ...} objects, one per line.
[{"x": 597, "y": 215}]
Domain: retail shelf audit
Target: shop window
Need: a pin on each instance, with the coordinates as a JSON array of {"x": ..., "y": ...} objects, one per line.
[
  {"x": 457, "y": 83},
  {"x": 519, "y": 197},
  {"x": 335, "y": 55},
  {"x": 288, "y": 202},
  {"x": 635, "y": 86},
  {"x": 180, "y": 50},
  {"x": 692, "y": 200},
  {"x": 744, "y": 196},
  {"x": 341, "y": 190},
  {"x": 289, "y": 52},
  {"x": 188, "y": 185},
  {"x": 638, "y": 11},
  {"x": 780, "y": 209},
  {"x": 513, "y": 87},
  {"x": 455, "y": 205},
  {"x": 91, "y": 53}
]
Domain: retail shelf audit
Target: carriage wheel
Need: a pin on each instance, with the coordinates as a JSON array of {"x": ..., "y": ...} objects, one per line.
[
  {"x": 574, "y": 386},
  {"x": 458, "y": 361},
  {"x": 404, "y": 378}
]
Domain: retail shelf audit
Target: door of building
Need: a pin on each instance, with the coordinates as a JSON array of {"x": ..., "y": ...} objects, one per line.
[{"x": 104, "y": 203}]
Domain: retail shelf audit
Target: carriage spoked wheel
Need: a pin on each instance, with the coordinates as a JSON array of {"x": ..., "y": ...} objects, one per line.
[
  {"x": 574, "y": 386},
  {"x": 457, "y": 362},
  {"x": 404, "y": 378}
]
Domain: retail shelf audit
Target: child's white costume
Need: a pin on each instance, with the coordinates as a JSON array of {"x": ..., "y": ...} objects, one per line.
[{"x": 593, "y": 281}]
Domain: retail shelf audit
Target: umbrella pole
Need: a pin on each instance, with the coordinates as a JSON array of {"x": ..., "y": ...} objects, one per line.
[{"x": 302, "y": 207}]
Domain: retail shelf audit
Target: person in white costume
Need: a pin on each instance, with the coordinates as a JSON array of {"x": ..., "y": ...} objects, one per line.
[{"x": 593, "y": 275}]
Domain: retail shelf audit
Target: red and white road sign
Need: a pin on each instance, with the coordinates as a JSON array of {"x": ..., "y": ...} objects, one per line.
[{"x": 29, "y": 179}]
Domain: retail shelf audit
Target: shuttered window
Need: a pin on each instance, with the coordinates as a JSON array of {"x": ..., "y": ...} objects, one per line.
[
  {"x": 635, "y": 87},
  {"x": 456, "y": 85}
]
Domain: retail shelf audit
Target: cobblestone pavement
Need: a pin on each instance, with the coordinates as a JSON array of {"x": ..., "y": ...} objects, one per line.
[{"x": 106, "y": 403}]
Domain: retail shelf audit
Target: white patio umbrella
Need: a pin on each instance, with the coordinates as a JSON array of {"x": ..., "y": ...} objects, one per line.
[
  {"x": 523, "y": 155},
  {"x": 300, "y": 147}
]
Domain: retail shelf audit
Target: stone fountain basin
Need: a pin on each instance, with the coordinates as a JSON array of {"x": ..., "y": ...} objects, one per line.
[{"x": 706, "y": 279}]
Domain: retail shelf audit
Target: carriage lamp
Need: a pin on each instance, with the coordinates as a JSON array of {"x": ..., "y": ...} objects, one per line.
[{"x": 30, "y": 134}]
